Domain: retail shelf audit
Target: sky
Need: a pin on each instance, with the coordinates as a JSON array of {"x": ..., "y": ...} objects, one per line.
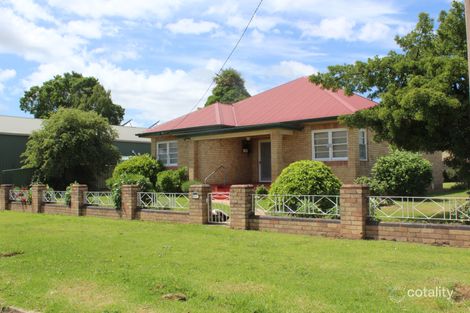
[{"x": 158, "y": 57}]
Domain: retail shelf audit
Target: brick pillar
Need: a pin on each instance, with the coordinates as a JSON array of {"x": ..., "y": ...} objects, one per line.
[
  {"x": 354, "y": 202},
  {"x": 198, "y": 204},
  {"x": 241, "y": 203},
  {"x": 5, "y": 196},
  {"x": 277, "y": 163},
  {"x": 36, "y": 197},
  {"x": 129, "y": 201},
  {"x": 77, "y": 202}
]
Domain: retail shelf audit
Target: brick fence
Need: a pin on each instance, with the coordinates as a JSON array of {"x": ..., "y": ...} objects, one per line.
[{"x": 353, "y": 222}]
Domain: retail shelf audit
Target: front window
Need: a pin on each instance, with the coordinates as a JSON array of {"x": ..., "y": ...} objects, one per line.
[
  {"x": 362, "y": 145},
  {"x": 167, "y": 153},
  {"x": 330, "y": 145}
]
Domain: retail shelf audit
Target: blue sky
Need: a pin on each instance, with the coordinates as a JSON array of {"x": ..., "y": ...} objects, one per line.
[{"x": 158, "y": 56}]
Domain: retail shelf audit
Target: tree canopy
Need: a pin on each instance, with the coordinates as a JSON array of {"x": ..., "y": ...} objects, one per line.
[
  {"x": 229, "y": 88},
  {"x": 72, "y": 90},
  {"x": 422, "y": 89},
  {"x": 73, "y": 145}
]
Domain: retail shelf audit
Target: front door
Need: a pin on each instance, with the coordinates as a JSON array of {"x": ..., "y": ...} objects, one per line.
[{"x": 265, "y": 161}]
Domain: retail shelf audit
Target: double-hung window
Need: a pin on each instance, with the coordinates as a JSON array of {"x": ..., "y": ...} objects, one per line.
[
  {"x": 167, "y": 153},
  {"x": 330, "y": 145},
  {"x": 362, "y": 145}
]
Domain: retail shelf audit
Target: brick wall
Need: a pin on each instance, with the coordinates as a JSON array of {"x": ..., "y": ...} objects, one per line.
[
  {"x": 102, "y": 212},
  {"x": 56, "y": 209},
  {"x": 181, "y": 217},
  {"x": 437, "y": 234},
  {"x": 301, "y": 226}
]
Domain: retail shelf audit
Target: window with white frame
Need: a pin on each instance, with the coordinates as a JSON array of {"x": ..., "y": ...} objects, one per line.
[
  {"x": 330, "y": 145},
  {"x": 167, "y": 153},
  {"x": 362, "y": 145}
]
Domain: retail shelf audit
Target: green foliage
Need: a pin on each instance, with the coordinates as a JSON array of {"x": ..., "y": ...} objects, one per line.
[
  {"x": 185, "y": 186},
  {"x": 172, "y": 180},
  {"x": 229, "y": 88},
  {"x": 115, "y": 184},
  {"x": 68, "y": 193},
  {"x": 306, "y": 177},
  {"x": 262, "y": 190},
  {"x": 72, "y": 90},
  {"x": 400, "y": 173},
  {"x": 71, "y": 145},
  {"x": 423, "y": 89},
  {"x": 144, "y": 165}
]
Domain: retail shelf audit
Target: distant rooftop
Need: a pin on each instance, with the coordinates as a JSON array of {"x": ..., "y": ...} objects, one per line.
[{"x": 14, "y": 125}]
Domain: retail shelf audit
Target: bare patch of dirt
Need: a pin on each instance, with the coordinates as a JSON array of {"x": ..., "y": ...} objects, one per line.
[
  {"x": 14, "y": 310},
  {"x": 10, "y": 254},
  {"x": 461, "y": 292},
  {"x": 175, "y": 297}
]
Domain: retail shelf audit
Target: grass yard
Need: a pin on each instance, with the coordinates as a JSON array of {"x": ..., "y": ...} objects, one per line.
[{"x": 72, "y": 264}]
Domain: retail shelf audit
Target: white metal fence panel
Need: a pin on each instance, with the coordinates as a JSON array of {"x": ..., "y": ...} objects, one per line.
[
  {"x": 163, "y": 201},
  {"x": 297, "y": 205},
  {"x": 18, "y": 195},
  {"x": 420, "y": 208},
  {"x": 99, "y": 198},
  {"x": 218, "y": 207},
  {"x": 51, "y": 196}
]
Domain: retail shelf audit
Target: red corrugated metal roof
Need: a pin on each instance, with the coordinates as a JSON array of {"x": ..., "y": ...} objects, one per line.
[{"x": 294, "y": 101}]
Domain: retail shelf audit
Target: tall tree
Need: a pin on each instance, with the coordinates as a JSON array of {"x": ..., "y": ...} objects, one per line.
[
  {"x": 229, "y": 88},
  {"x": 72, "y": 145},
  {"x": 72, "y": 90},
  {"x": 423, "y": 89}
]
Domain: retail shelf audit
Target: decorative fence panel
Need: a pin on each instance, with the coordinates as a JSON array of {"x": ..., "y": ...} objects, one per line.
[
  {"x": 163, "y": 201},
  {"x": 218, "y": 207},
  {"x": 19, "y": 195},
  {"x": 313, "y": 206},
  {"x": 51, "y": 196},
  {"x": 431, "y": 209},
  {"x": 99, "y": 198}
]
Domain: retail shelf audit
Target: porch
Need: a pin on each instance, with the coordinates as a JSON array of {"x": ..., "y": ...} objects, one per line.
[{"x": 221, "y": 160}]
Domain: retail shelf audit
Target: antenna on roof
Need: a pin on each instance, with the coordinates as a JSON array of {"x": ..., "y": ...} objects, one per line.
[
  {"x": 126, "y": 122},
  {"x": 156, "y": 123}
]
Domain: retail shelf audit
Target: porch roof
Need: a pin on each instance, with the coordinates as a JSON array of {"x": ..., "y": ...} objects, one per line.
[{"x": 284, "y": 106}]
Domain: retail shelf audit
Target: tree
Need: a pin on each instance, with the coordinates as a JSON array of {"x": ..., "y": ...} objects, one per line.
[
  {"x": 229, "y": 88},
  {"x": 72, "y": 90},
  {"x": 73, "y": 145},
  {"x": 423, "y": 89}
]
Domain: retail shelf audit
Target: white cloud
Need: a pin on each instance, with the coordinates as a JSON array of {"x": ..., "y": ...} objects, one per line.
[
  {"x": 22, "y": 37},
  {"x": 31, "y": 10},
  {"x": 4, "y": 76},
  {"x": 119, "y": 8},
  {"x": 189, "y": 26},
  {"x": 330, "y": 28},
  {"x": 85, "y": 28},
  {"x": 292, "y": 69}
]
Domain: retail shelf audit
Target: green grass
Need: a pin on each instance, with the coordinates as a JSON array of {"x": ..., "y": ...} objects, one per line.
[{"x": 86, "y": 264}]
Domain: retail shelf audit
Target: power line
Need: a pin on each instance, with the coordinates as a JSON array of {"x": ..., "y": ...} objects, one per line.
[{"x": 226, "y": 60}]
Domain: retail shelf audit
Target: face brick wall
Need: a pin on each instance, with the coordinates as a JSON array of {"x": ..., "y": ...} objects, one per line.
[{"x": 202, "y": 157}]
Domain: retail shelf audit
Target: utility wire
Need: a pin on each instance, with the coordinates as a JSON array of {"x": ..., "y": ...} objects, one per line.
[{"x": 225, "y": 62}]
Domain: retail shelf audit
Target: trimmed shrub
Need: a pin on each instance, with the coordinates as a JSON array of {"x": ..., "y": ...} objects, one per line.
[
  {"x": 144, "y": 165},
  {"x": 172, "y": 180},
  {"x": 306, "y": 177},
  {"x": 115, "y": 184},
  {"x": 401, "y": 173},
  {"x": 261, "y": 190},
  {"x": 185, "y": 186}
]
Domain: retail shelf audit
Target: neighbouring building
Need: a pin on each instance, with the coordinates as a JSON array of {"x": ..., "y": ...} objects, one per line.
[
  {"x": 252, "y": 140},
  {"x": 15, "y": 131}
]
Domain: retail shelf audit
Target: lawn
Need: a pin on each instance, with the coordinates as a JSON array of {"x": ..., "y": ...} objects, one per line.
[{"x": 72, "y": 264}]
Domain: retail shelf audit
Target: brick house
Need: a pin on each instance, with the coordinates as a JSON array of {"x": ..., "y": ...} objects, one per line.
[{"x": 252, "y": 140}]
